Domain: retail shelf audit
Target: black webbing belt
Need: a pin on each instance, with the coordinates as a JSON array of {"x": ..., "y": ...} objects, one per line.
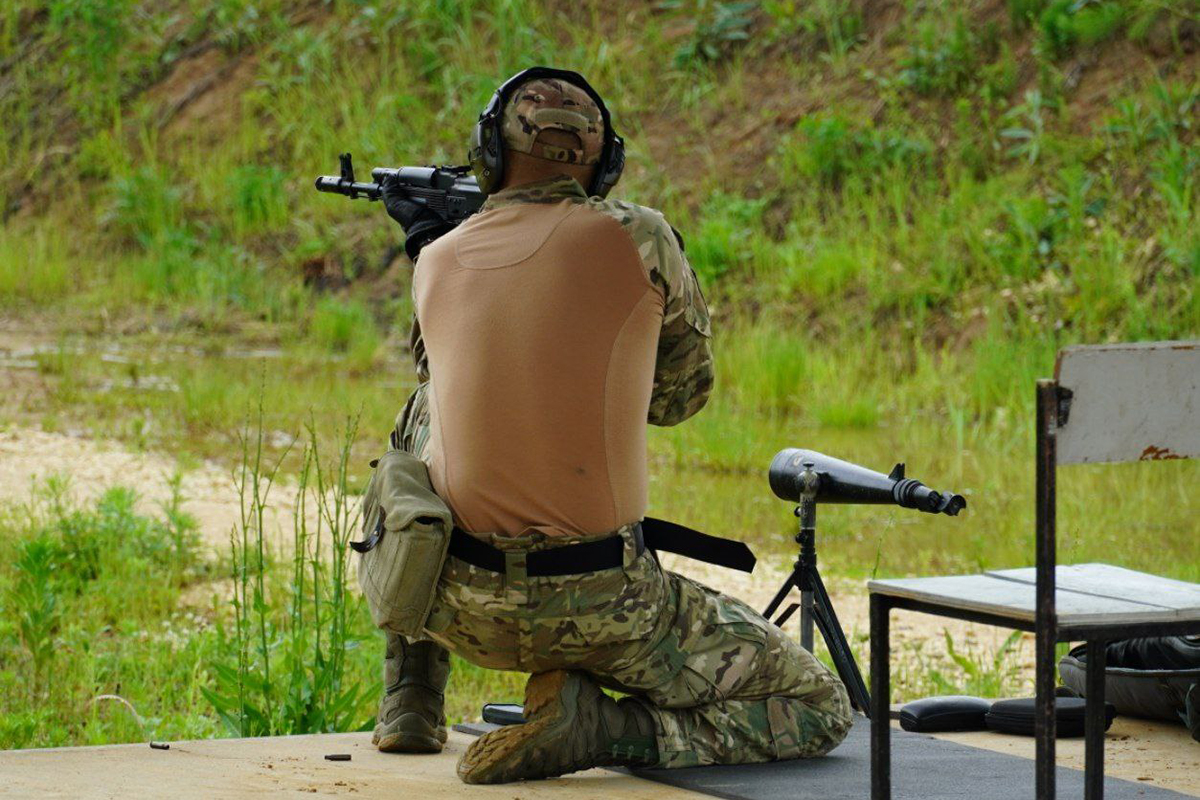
[{"x": 574, "y": 559}]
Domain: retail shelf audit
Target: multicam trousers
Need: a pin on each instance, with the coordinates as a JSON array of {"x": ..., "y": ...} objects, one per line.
[{"x": 723, "y": 684}]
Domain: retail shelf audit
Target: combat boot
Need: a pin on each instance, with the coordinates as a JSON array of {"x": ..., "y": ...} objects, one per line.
[
  {"x": 411, "y": 716},
  {"x": 570, "y": 725}
]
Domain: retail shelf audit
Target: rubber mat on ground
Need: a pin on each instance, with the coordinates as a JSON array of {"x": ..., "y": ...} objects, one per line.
[{"x": 923, "y": 768}]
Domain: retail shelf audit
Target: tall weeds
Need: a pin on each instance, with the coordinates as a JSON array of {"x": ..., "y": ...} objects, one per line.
[{"x": 282, "y": 668}]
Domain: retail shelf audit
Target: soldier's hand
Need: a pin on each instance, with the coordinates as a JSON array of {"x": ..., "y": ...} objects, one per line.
[
  {"x": 421, "y": 223},
  {"x": 403, "y": 208}
]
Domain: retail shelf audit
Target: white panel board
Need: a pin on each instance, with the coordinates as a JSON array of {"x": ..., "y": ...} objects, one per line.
[
  {"x": 1016, "y": 600},
  {"x": 1106, "y": 580},
  {"x": 1132, "y": 402}
]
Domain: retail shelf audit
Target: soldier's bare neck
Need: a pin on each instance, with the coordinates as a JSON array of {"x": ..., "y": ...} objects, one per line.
[{"x": 522, "y": 168}]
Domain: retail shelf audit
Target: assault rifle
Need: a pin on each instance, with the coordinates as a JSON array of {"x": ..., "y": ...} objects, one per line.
[{"x": 451, "y": 192}]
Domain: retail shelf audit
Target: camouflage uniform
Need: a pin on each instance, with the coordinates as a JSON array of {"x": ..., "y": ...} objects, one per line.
[{"x": 723, "y": 684}]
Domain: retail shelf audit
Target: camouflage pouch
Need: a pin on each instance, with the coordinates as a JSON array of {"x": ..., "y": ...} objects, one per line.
[{"x": 407, "y": 529}]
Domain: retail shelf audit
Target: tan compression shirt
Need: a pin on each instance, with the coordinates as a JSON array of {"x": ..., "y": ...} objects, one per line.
[{"x": 553, "y": 327}]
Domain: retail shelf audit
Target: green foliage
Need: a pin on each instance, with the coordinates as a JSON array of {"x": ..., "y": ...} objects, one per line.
[
  {"x": 1164, "y": 114},
  {"x": 344, "y": 327},
  {"x": 82, "y": 586},
  {"x": 236, "y": 24},
  {"x": 35, "y": 601},
  {"x": 718, "y": 26},
  {"x": 147, "y": 205},
  {"x": 93, "y": 33},
  {"x": 984, "y": 677},
  {"x": 1023, "y": 13},
  {"x": 34, "y": 265},
  {"x": 722, "y": 241},
  {"x": 831, "y": 149},
  {"x": 1057, "y": 28},
  {"x": 1065, "y": 24},
  {"x": 1096, "y": 23},
  {"x": 946, "y": 55},
  {"x": 835, "y": 26},
  {"x": 1027, "y": 127},
  {"x": 284, "y": 666},
  {"x": 257, "y": 200}
]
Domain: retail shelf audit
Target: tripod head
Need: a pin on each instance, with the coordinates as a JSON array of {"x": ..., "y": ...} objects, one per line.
[{"x": 806, "y": 475}]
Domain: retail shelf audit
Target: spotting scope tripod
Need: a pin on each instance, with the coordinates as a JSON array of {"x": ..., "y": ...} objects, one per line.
[{"x": 806, "y": 477}]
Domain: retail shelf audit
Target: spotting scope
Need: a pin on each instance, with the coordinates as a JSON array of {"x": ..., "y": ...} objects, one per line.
[{"x": 838, "y": 481}]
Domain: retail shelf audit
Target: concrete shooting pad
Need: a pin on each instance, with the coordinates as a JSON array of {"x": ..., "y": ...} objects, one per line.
[
  {"x": 284, "y": 766},
  {"x": 959, "y": 766}
]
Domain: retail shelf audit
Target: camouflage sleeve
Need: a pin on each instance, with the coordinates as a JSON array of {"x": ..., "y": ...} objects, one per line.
[
  {"x": 683, "y": 369},
  {"x": 417, "y": 345}
]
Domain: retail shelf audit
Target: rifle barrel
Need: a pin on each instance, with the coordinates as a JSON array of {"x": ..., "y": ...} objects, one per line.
[{"x": 336, "y": 185}]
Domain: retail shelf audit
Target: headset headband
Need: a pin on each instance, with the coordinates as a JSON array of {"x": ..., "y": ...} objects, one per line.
[
  {"x": 612, "y": 155},
  {"x": 495, "y": 107}
]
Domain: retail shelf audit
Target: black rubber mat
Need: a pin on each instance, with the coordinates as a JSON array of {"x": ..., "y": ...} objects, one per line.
[{"x": 923, "y": 768}]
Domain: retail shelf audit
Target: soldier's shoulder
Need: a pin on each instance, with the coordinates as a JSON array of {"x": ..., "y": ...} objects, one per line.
[
  {"x": 645, "y": 225},
  {"x": 439, "y": 249}
]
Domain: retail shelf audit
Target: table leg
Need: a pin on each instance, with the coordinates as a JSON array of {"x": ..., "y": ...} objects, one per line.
[
  {"x": 1045, "y": 722},
  {"x": 1093, "y": 776},
  {"x": 881, "y": 725}
]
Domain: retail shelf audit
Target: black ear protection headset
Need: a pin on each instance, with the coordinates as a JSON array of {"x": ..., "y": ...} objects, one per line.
[{"x": 486, "y": 154}]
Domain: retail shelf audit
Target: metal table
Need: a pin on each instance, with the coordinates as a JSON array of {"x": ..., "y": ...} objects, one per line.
[
  {"x": 1095, "y": 603},
  {"x": 1106, "y": 403}
]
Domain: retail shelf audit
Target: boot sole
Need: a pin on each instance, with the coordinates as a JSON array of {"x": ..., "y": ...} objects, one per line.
[
  {"x": 498, "y": 756},
  {"x": 411, "y": 733},
  {"x": 408, "y": 743}
]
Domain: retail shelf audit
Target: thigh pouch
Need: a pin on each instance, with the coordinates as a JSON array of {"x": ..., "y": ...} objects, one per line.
[{"x": 407, "y": 528}]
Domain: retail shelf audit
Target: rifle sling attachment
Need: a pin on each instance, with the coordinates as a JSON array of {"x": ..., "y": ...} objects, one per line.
[{"x": 577, "y": 559}]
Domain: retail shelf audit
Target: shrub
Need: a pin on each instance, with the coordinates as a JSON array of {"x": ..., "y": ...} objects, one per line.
[
  {"x": 721, "y": 242},
  {"x": 1022, "y": 13},
  {"x": 1101, "y": 22},
  {"x": 1056, "y": 28},
  {"x": 719, "y": 26},
  {"x": 831, "y": 149},
  {"x": 146, "y": 205},
  {"x": 1065, "y": 23},
  {"x": 835, "y": 25},
  {"x": 257, "y": 199},
  {"x": 345, "y": 327},
  {"x": 945, "y": 58}
]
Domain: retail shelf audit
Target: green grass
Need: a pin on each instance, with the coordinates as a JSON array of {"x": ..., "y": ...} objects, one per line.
[
  {"x": 91, "y": 607},
  {"x": 896, "y": 227}
]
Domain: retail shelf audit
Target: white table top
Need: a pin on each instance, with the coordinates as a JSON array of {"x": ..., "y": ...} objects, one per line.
[{"x": 1084, "y": 594}]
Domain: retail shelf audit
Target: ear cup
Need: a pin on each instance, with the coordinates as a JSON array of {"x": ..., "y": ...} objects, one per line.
[
  {"x": 485, "y": 155},
  {"x": 608, "y": 170}
]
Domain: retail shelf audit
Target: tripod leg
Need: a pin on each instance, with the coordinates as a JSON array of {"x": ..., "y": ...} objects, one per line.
[
  {"x": 806, "y": 619},
  {"x": 839, "y": 648},
  {"x": 782, "y": 593}
]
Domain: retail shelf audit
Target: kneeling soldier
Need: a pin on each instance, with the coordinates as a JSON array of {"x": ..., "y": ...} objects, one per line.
[{"x": 552, "y": 326}]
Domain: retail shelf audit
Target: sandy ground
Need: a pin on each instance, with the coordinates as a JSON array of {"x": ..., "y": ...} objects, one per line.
[
  {"x": 292, "y": 766},
  {"x": 1157, "y": 754},
  {"x": 295, "y": 766},
  {"x": 1145, "y": 751},
  {"x": 28, "y": 457}
]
